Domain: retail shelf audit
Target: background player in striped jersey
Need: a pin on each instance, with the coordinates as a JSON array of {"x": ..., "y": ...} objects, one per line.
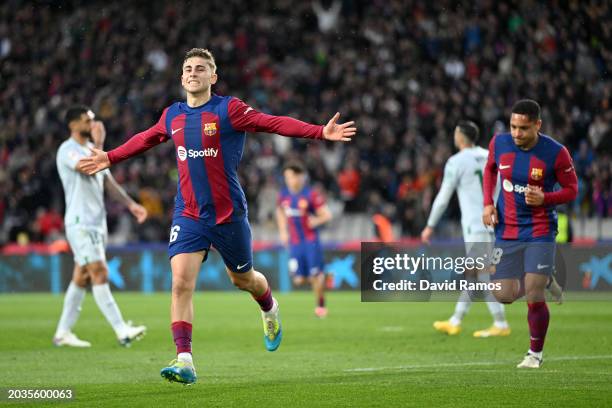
[
  {"x": 463, "y": 173},
  {"x": 530, "y": 165},
  {"x": 301, "y": 211},
  {"x": 210, "y": 208},
  {"x": 85, "y": 222}
]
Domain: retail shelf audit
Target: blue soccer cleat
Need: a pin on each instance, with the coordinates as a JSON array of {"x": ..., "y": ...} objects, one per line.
[
  {"x": 179, "y": 371},
  {"x": 273, "y": 333}
]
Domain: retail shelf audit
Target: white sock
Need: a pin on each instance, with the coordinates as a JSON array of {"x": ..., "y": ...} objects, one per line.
[
  {"x": 185, "y": 357},
  {"x": 497, "y": 311},
  {"x": 461, "y": 308},
  {"x": 72, "y": 308},
  {"x": 538, "y": 354},
  {"x": 108, "y": 307}
]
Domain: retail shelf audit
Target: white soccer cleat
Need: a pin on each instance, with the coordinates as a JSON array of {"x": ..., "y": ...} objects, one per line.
[
  {"x": 70, "y": 339},
  {"x": 131, "y": 333},
  {"x": 530, "y": 361}
]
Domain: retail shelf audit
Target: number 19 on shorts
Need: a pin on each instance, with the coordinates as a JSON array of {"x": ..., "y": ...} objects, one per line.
[{"x": 174, "y": 232}]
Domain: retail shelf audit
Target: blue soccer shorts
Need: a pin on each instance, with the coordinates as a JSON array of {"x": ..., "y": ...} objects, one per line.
[
  {"x": 515, "y": 258},
  {"x": 232, "y": 240},
  {"x": 306, "y": 259}
]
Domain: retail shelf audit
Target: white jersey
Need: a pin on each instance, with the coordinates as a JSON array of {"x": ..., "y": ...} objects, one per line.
[
  {"x": 463, "y": 172},
  {"x": 84, "y": 194}
]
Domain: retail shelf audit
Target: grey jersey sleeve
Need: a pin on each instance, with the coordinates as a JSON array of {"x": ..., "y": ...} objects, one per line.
[
  {"x": 449, "y": 184},
  {"x": 68, "y": 156}
]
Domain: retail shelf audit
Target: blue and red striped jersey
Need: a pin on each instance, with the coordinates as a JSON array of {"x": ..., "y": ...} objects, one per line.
[
  {"x": 297, "y": 207},
  {"x": 209, "y": 142},
  {"x": 545, "y": 165}
]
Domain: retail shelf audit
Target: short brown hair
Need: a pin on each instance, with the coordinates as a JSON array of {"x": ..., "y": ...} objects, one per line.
[
  {"x": 295, "y": 166},
  {"x": 202, "y": 53}
]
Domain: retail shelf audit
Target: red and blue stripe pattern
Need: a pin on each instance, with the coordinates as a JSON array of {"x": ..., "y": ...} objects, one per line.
[{"x": 518, "y": 169}]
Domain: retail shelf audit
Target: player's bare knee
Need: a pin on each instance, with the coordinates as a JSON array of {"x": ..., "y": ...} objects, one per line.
[
  {"x": 182, "y": 286},
  {"x": 535, "y": 295},
  {"x": 506, "y": 297},
  {"x": 242, "y": 282},
  {"x": 98, "y": 273}
]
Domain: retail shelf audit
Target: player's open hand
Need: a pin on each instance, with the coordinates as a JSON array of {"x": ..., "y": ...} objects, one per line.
[
  {"x": 98, "y": 161},
  {"x": 139, "y": 212},
  {"x": 489, "y": 216},
  {"x": 426, "y": 235},
  {"x": 534, "y": 196},
  {"x": 339, "y": 132}
]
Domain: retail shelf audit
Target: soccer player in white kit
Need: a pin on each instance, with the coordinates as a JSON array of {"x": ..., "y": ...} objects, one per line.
[
  {"x": 463, "y": 173},
  {"x": 85, "y": 223}
]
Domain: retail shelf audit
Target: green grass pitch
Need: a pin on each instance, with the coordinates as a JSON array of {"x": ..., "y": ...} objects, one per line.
[{"x": 370, "y": 355}]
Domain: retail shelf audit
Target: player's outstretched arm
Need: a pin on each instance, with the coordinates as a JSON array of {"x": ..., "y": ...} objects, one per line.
[
  {"x": 140, "y": 142},
  {"x": 98, "y": 161},
  {"x": 244, "y": 118}
]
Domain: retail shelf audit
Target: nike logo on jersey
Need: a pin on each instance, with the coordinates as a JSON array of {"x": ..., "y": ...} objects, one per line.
[
  {"x": 247, "y": 110},
  {"x": 239, "y": 267},
  {"x": 175, "y": 130},
  {"x": 542, "y": 266},
  {"x": 503, "y": 167},
  {"x": 569, "y": 169}
]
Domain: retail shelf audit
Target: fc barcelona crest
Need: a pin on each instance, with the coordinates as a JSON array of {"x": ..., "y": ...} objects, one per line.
[
  {"x": 210, "y": 129},
  {"x": 536, "y": 173},
  {"x": 303, "y": 204}
]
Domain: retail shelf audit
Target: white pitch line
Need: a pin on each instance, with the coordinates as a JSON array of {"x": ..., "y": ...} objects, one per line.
[{"x": 468, "y": 364}]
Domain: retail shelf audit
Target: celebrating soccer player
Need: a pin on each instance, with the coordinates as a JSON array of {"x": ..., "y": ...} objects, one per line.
[
  {"x": 85, "y": 222},
  {"x": 530, "y": 165},
  {"x": 210, "y": 209},
  {"x": 463, "y": 173},
  {"x": 301, "y": 211}
]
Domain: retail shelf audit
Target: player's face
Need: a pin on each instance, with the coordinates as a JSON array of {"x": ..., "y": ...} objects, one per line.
[
  {"x": 83, "y": 125},
  {"x": 524, "y": 130},
  {"x": 197, "y": 75},
  {"x": 295, "y": 181},
  {"x": 457, "y": 137}
]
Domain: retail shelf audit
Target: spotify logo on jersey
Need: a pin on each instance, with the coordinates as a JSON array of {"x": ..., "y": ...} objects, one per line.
[
  {"x": 182, "y": 153},
  {"x": 507, "y": 184},
  {"x": 517, "y": 188}
]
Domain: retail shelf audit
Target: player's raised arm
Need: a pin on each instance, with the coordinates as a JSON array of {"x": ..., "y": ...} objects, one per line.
[
  {"x": 489, "y": 215},
  {"x": 140, "y": 142},
  {"x": 244, "y": 118}
]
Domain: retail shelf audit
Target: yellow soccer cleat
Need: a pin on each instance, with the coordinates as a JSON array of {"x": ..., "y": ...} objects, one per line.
[
  {"x": 446, "y": 327},
  {"x": 493, "y": 331}
]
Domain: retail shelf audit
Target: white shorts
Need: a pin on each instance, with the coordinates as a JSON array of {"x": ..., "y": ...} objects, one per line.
[
  {"x": 88, "y": 245},
  {"x": 480, "y": 245}
]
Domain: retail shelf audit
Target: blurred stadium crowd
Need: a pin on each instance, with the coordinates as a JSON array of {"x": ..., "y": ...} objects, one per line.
[{"x": 406, "y": 71}]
